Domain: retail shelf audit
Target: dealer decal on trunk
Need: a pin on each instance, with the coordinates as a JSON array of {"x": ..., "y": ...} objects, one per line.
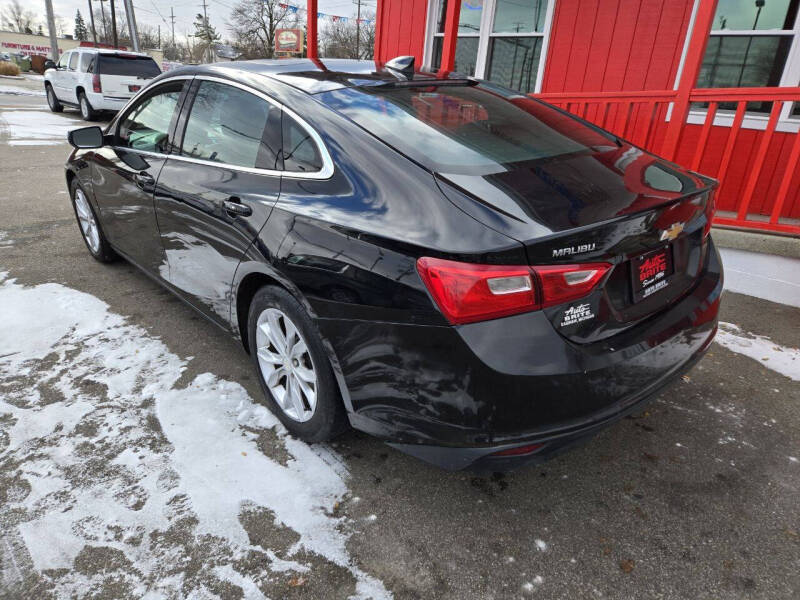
[{"x": 577, "y": 314}]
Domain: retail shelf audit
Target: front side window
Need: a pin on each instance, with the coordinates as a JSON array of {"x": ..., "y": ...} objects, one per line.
[
  {"x": 498, "y": 40},
  {"x": 146, "y": 126},
  {"x": 64, "y": 60},
  {"x": 231, "y": 126},
  {"x": 750, "y": 45},
  {"x": 73, "y": 61}
]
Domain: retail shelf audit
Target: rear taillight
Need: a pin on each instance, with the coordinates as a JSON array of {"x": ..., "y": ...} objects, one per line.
[
  {"x": 466, "y": 292},
  {"x": 564, "y": 283},
  {"x": 96, "y": 84}
]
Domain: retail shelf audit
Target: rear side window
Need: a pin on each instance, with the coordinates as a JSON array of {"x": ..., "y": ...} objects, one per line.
[
  {"x": 146, "y": 126},
  {"x": 86, "y": 59},
  {"x": 228, "y": 125},
  {"x": 127, "y": 65},
  {"x": 300, "y": 153},
  {"x": 73, "y": 61}
]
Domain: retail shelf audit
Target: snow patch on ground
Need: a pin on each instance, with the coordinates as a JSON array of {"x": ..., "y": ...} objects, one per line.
[
  {"x": 36, "y": 128},
  {"x": 781, "y": 359},
  {"x": 112, "y": 457},
  {"x": 18, "y": 91}
]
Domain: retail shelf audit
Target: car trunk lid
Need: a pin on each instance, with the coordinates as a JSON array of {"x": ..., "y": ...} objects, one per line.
[
  {"x": 614, "y": 204},
  {"x": 123, "y": 75}
]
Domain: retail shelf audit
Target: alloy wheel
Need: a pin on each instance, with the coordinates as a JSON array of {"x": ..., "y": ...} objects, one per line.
[
  {"x": 51, "y": 97},
  {"x": 84, "y": 108},
  {"x": 87, "y": 221},
  {"x": 286, "y": 364}
]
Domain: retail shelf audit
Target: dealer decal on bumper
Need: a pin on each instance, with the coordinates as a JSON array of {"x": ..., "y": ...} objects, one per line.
[{"x": 577, "y": 314}]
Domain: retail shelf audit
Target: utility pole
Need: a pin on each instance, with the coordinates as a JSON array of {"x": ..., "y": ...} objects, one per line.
[
  {"x": 208, "y": 37},
  {"x": 91, "y": 15},
  {"x": 159, "y": 35},
  {"x": 172, "y": 19},
  {"x": 132, "y": 29},
  {"x": 51, "y": 26},
  {"x": 358, "y": 29},
  {"x": 114, "y": 24}
]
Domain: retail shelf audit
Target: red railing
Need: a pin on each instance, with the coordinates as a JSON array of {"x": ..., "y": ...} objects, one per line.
[{"x": 757, "y": 165}]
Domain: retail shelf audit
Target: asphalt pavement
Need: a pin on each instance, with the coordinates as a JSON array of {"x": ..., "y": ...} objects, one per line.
[{"x": 698, "y": 496}]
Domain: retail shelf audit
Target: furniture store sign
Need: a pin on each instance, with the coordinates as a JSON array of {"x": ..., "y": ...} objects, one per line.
[{"x": 29, "y": 48}]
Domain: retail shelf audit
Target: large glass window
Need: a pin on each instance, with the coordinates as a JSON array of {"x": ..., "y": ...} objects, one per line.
[
  {"x": 750, "y": 45},
  {"x": 231, "y": 126},
  {"x": 146, "y": 126},
  {"x": 498, "y": 40},
  {"x": 465, "y": 129}
]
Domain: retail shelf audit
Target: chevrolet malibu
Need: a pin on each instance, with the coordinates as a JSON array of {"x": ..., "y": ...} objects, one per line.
[{"x": 471, "y": 275}]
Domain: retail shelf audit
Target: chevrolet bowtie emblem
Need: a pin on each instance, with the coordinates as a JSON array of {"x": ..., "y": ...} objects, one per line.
[{"x": 671, "y": 233}]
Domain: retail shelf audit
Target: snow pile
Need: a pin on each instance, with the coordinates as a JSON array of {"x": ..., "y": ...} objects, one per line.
[
  {"x": 781, "y": 359},
  {"x": 112, "y": 457}
]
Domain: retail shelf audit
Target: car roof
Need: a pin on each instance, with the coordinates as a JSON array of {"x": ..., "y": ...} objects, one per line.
[
  {"x": 312, "y": 76},
  {"x": 108, "y": 51}
]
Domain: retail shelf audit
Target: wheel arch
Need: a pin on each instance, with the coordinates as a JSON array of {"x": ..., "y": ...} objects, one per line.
[{"x": 245, "y": 289}]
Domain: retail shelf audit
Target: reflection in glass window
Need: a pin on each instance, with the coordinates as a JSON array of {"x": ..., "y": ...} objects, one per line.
[
  {"x": 745, "y": 15},
  {"x": 513, "y": 62},
  {"x": 519, "y": 16},
  {"x": 469, "y": 20},
  {"x": 466, "y": 54},
  {"x": 744, "y": 61},
  {"x": 146, "y": 127},
  {"x": 227, "y": 125}
]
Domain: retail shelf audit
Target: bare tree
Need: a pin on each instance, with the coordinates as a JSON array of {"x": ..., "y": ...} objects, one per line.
[
  {"x": 342, "y": 39},
  {"x": 18, "y": 18},
  {"x": 253, "y": 24}
]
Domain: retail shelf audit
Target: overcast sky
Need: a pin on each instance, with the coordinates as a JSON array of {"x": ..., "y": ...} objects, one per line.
[{"x": 152, "y": 11}]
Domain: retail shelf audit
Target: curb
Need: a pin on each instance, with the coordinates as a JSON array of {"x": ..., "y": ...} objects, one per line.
[{"x": 762, "y": 243}]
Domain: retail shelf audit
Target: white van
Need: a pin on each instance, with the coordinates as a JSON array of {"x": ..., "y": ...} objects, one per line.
[{"x": 97, "y": 79}]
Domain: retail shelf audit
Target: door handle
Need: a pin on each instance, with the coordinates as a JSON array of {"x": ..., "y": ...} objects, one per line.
[
  {"x": 144, "y": 179},
  {"x": 234, "y": 207}
]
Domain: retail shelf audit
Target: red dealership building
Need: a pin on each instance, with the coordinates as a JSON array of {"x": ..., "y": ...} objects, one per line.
[{"x": 710, "y": 84}]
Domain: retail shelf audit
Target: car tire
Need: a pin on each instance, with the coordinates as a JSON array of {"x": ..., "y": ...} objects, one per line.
[
  {"x": 52, "y": 101},
  {"x": 89, "y": 225},
  {"x": 327, "y": 418},
  {"x": 87, "y": 112}
]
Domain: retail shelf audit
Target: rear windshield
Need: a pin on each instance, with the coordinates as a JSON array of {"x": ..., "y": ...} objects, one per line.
[
  {"x": 131, "y": 66},
  {"x": 466, "y": 129}
]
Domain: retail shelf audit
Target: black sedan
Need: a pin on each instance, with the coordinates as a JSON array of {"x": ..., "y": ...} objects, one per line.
[{"x": 470, "y": 274}]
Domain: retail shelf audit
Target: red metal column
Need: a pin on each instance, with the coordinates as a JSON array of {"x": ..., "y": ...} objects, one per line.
[
  {"x": 311, "y": 29},
  {"x": 691, "y": 69},
  {"x": 450, "y": 35}
]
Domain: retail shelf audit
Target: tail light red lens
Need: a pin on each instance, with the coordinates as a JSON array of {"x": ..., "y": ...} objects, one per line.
[
  {"x": 96, "y": 84},
  {"x": 466, "y": 293},
  {"x": 519, "y": 450},
  {"x": 564, "y": 283}
]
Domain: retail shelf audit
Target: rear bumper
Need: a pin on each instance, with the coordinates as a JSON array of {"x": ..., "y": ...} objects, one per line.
[
  {"x": 101, "y": 102},
  {"x": 455, "y": 395}
]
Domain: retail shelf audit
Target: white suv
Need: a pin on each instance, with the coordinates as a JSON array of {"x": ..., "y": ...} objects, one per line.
[{"x": 95, "y": 79}]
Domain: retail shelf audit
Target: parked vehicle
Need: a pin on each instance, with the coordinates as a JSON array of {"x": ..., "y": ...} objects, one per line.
[
  {"x": 472, "y": 275},
  {"x": 97, "y": 79}
]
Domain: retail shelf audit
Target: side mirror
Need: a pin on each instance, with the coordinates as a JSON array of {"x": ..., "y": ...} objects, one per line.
[
  {"x": 86, "y": 137},
  {"x": 49, "y": 64}
]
